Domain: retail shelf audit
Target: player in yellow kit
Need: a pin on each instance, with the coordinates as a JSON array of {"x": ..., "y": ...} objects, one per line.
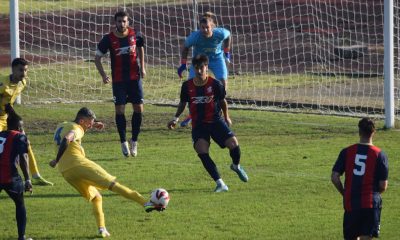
[
  {"x": 83, "y": 174},
  {"x": 10, "y": 87}
]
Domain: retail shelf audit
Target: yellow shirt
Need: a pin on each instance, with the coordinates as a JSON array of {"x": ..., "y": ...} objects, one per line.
[
  {"x": 9, "y": 92},
  {"x": 74, "y": 155}
]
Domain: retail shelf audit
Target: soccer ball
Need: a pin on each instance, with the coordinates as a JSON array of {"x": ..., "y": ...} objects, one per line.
[{"x": 160, "y": 196}]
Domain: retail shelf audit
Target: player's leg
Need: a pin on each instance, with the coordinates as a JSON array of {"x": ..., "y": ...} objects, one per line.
[
  {"x": 16, "y": 194},
  {"x": 127, "y": 193},
  {"x": 83, "y": 179},
  {"x": 224, "y": 137},
  {"x": 370, "y": 223},
  {"x": 97, "y": 203},
  {"x": 201, "y": 143},
  {"x": 351, "y": 226},
  {"x": 135, "y": 96},
  {"x": 119, "y": 98},
  {"x": 37, "y": 179}
]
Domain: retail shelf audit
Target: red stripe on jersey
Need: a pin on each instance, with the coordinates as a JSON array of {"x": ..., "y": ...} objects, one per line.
[
  {"x": 5, "y": 161},
  {"x": 368, "y": 179},
  {"x": 192, "y": 106},
  {"x": 350, "y": 156},
  {"x": 210, "y": 106},
  {"x": 133, "y": 70},
  {"x": 117, "y": 64}
]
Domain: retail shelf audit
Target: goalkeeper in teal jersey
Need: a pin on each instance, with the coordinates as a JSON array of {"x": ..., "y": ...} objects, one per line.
[{"x": 212, "y": 41}]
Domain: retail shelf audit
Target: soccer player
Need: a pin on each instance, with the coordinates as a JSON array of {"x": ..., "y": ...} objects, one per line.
[
  {"x": 10, "y": 87},
  {"x": 215, "y": 43},
  {"x": 14, "y": 152},
  {"x": 366, "y": 177},
  {"x": 83, "y": 174},
  {"x": 206, "y": 99},
  {"x": 125, "y": 45}
]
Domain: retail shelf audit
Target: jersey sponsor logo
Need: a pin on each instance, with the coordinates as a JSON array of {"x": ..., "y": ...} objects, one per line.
[
  {"x": 202, "y": 99},
  {"x": 209, "y": 89},
  {"x": 125, "y": 50}
]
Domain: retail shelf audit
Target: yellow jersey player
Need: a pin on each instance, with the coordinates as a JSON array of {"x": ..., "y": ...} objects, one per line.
[
  {"x": 83, "y": 174},
  {"x": 10, "y": 87}
]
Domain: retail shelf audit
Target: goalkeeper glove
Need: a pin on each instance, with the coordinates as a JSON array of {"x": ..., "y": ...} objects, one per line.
[
  {"x": 182, "y": 67},
  {"x": 227, "y": 55}
]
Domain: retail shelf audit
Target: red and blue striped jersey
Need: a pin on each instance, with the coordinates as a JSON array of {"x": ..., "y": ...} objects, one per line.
[
  {"x": 12, "y": 143},
  {"x": 123, "y": 54},
  {"x": 364, "y": 167},
  {"x": 204, "y": 100}
]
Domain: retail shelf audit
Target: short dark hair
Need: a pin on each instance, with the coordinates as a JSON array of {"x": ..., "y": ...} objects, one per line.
[
  {"x": 120, "y": 14},
  {"x": 366, "y": 127},
  {"x": 85, "y": 113},
  {"x": 19, "y": 61},
  {"x": 13, "y": 121},
  {"x": 200, "y": 60}
]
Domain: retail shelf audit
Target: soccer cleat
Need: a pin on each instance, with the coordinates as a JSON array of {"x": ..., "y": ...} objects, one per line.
[
  {"x": 125, "y": 149},
  {"x": 149, "y": 206},
  {"x": 186, "y": 121},
  {"x": 221, "y": 188},
  {"x": 103, "y": 232},
  {"x": 241, "y": 173},
  {"x": 41, "y": 181},
  {"x": 134, "y": 148}
]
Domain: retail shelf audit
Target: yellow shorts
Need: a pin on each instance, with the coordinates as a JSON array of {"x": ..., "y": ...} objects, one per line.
[{"x": 88, "y": 179}]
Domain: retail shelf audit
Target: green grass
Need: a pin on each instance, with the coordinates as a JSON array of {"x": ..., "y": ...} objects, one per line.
[{"x": 288, "y": 158}]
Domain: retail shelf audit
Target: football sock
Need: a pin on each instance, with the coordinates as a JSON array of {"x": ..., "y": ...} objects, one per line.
[
  {"x": 121, "y": 126},
  {"x": 128, "y": 193},
  {"x": 98, "y": 210},
  {"x": 33, "y": 169},
  {"x": 209, "y": 165},
  {"x": 235, "y": 155},
  {"x": 136, "y": 123},
  {"x": 220, "y": 182}
]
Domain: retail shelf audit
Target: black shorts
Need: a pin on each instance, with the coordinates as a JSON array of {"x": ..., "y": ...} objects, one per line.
[
  {"x": 128, "y": 91},
  {"x": 218, "y": 131},
  {"x": 362, "y": 222},
  {"x": 16, "y": 185}
]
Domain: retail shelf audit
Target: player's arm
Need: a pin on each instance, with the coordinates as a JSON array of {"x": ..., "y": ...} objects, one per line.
[
  {"x": 184, "y": 54},
  {"x": 100, "y": 69},
  {"x": 227, "y": 48},
  {"x": 335, "y": 178},
  {"x": 141, "y": 59},
  {"x": 22, "y": 150},
  {"x": 181, "y": 107},
  {"x": 383, "y": 186},
  {"x": 69, "y": 137},
  {"x": 224, "y": 106},
  {"x": 102, "y": 49}
]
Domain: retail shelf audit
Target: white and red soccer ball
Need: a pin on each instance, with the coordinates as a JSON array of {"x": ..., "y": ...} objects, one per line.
[{"x": 160, "y": 197}]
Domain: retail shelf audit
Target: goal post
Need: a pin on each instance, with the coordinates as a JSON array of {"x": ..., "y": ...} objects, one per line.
[
  {"x": 330, "y": 57},
  {"x": 14, "y": 34}
]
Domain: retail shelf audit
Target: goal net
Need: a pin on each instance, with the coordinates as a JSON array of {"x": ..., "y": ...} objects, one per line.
[{"x": 289, "y": 55}]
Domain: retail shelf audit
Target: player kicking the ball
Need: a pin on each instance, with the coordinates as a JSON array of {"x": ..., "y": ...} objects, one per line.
[
  {"x": 206, "y": 99},
  {"x": 83, "y": 174}
]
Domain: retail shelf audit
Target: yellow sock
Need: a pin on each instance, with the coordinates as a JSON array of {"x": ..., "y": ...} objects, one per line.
[
  {"x": 98, "y": 211},
  {"x": 32, "y": 163},
  {"x": 128, "y": 193}
]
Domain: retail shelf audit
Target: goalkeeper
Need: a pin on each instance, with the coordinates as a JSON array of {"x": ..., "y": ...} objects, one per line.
[
  {"x": 212, "y": 41},
  {"x": 10, "y": 87}
]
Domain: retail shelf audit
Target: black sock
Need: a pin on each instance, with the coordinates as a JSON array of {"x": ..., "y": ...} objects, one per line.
[
  {"x": 235, "y": 155},
  {"x": 121, "y": 126},
  {"x": 209, "y": 165},
  {"x": 136, "y": 123}
]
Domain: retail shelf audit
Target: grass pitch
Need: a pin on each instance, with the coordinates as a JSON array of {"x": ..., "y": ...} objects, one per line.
[{"x": 289, "y": 195}]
